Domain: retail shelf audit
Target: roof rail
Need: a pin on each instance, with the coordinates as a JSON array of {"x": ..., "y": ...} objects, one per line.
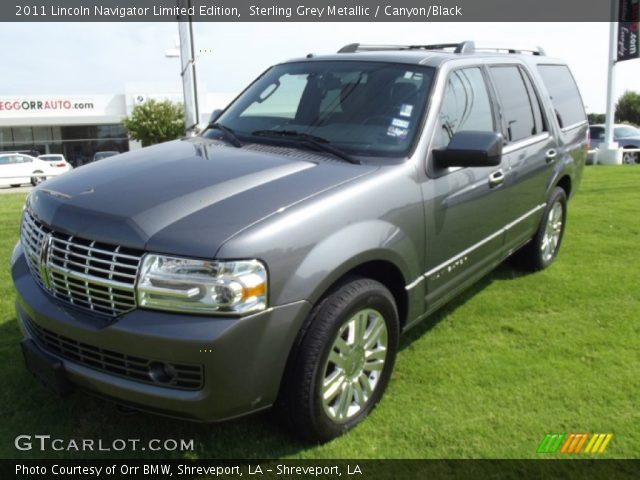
[
  {"x": 538, "y": 50},
  {"x": 463, "y": 47}
]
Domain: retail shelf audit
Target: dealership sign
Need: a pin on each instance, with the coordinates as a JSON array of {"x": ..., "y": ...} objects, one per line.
[
  {"x": 47, "y": 104},
  {"x": 24, "y": 108},
  {"x": 628, "y": 21}
]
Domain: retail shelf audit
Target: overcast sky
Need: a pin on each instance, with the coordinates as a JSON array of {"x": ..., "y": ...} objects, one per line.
[{"x": 86, "y": 58}]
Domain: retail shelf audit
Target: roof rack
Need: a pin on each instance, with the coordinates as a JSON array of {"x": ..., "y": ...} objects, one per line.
[
  {"x": 462, "y": 47},
  {"x": 538, "y": 50}
]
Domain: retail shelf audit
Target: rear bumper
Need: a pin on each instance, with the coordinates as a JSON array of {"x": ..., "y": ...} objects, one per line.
[{"x": 242, "y": 360}]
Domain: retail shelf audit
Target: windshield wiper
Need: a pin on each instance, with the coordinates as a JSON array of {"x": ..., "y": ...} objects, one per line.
[
  {"x": 320, "y": 143},
  {"x": 227, "y": 134}
]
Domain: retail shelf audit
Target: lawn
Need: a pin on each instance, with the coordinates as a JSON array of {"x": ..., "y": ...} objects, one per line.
[{"x": 516, "y": 357}]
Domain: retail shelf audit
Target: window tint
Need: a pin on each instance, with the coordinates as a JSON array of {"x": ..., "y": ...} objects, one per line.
[
  {"x": 516, "y": 106},
  {"x": 465, "y": 105},
  {"x": 280, "y": 98},
  {"x": 564, "y": 94},
  {"x": 596, "y": 133},
  {"x": 534, "y": 100}
]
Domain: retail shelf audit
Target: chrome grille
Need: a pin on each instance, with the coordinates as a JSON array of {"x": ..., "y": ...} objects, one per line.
[
  {"x": 90, "y": 275},
  {"x": 185, "y": 376}
]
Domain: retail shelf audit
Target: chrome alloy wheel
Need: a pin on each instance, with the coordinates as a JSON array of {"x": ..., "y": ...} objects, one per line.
[
  {"x": 630, "y": 158},
  {"x": 552, "y": 232},
  {"x": 354, "y": 365}
]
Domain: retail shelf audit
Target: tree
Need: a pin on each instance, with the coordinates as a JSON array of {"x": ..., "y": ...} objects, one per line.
[
  {"x": 628, "y": 108},
  {"x": 596, "y": 118},
  {"x": 155, "y": 122}
]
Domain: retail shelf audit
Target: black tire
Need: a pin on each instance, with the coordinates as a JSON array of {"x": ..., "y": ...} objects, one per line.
[
  {"x": 630, "y": 158},
  {"x": 300, "y": 400},
  {"x": 37, "y": 180},
  {"x": 533, "y": 257}
]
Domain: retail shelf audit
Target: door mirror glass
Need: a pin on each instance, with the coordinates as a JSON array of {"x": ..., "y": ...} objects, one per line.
[{"x": 471, "y": 149}]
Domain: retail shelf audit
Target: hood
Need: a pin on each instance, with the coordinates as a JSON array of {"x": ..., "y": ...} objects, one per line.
[{"x": 184, "y": 197}]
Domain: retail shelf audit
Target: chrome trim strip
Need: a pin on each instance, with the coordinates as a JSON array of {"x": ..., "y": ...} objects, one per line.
[
  {"x": 415, "y": 283},
  {"x": 525, "y": 143},
  {"x": 463, "y": 253},
  {"x": 473, "y": 247},
  {"x": 575, "y": 125}
]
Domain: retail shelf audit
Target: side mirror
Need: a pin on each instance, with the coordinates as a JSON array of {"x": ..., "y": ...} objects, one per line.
[
  {"x": 471, "y": 149},
  {"x": 214, "y": 115}
]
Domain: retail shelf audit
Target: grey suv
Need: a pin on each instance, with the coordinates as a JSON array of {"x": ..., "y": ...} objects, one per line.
[{"x": 276, "y": 258}]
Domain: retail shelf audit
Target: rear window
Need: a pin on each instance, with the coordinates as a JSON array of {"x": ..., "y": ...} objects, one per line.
[{"x": 564, "y": 94}]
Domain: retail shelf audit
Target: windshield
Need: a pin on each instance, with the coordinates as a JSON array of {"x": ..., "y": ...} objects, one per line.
[
  {"x": 626, "y": 132},
  {"x": 362, "y": 108}
]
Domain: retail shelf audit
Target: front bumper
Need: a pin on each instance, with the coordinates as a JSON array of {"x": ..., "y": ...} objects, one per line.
[{"x": 243, "y": 359}]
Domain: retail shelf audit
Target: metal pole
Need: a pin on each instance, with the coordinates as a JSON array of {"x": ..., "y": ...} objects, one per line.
[
  {"x": 611, "y": 78},
  {"x": 609, "y": 152}
]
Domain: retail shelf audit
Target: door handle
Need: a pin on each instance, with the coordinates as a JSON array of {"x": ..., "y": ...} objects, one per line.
[
  {"x": 551, "y": 155},
  {"x": 496, "y": 178}
]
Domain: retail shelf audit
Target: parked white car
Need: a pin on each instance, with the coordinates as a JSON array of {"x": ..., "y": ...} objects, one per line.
[
  {"x": 17, "y": 169},
  {"x": 57, "y": 162}
]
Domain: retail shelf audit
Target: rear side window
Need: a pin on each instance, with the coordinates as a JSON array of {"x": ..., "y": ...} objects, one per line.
[
  {"x": 564, "y": 93},
  {"x": 517, "y": 107}
]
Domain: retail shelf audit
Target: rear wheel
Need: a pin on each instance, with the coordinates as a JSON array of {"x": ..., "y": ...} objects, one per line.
[
  {"x": 543, "y": 248},
  {"x": 37, "y": 178},
  {"x": 343, "y": 361}
]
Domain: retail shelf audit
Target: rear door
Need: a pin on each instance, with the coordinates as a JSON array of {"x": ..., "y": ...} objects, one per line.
[
  {"x": 24, "y": 168},
  {"x": 6, "y": 171},
  {"x": 529, "y": 153}
]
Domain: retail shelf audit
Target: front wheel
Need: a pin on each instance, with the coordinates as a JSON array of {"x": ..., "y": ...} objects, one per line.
[
  {"x": 342, "y": 363},
  {"x": 630, "y": 158},
  {"x": 543, "y": 248}
]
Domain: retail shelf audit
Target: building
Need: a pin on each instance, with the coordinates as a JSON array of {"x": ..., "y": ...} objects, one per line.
[{"x": 78, "y": 126}]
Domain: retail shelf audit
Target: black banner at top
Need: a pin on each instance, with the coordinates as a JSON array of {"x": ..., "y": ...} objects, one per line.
[
  {"x": 628, "y": 39},
  {"x": 308, "y": 10}
]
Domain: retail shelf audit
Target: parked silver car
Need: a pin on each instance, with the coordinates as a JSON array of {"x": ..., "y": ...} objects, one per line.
[{"x": 627, "y": 136}]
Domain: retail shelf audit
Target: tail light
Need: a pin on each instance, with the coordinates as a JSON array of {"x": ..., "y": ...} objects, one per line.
[
  {"x": 588, "y": 143},
  {"x": 62, "y": 164}
]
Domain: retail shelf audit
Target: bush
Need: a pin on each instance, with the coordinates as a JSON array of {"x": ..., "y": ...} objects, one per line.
[
  {"x": 628, "y": 108},
  {"x": 155, "y": 122}
]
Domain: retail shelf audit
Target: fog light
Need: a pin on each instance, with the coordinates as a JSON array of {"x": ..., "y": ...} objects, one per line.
[{"x": 162, "y": 372}]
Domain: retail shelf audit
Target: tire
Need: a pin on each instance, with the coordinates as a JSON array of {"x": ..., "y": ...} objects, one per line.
[
  {"x": 327, "y": 360},
  {"x": 543, "y": 248},
  {"x": 630, "y": 158},
  {"x": 37, "y": 180}
]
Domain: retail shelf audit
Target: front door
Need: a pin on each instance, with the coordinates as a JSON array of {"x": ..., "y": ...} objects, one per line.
[{"x": 465, "y": 208}]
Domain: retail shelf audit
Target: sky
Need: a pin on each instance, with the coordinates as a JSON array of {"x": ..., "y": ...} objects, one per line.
[{"x": 96, "y": 58}]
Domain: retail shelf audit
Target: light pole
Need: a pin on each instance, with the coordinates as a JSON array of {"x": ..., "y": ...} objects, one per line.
[{"x": 609, "y": 152}]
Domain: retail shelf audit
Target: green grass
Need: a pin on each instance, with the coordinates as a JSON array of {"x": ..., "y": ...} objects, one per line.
[{"x": 488, "y": 376}]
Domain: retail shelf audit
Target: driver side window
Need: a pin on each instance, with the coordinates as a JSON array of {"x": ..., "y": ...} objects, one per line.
[{"x": 465, "y": 105}]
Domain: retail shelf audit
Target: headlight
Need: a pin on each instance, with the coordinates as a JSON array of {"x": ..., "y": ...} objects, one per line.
[{"x": 201, "y": 286}]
